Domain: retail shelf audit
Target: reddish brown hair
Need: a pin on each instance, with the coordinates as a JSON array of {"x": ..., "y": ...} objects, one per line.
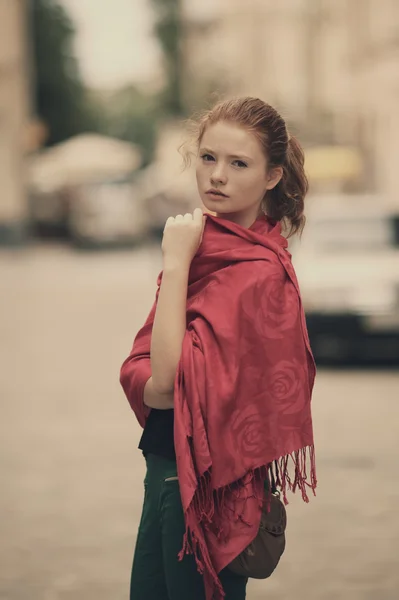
[{"x": 286, "y": 201}]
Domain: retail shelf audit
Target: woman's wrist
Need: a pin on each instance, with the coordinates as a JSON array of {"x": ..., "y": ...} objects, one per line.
[{"x": 175, "y": 264}]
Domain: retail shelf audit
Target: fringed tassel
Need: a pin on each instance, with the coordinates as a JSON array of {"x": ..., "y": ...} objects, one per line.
[
  {"x": 208, "y": 506},
  {"x": 194, "y": 543},
  {"x": 313, "y": 477},
  {"x": 300, "y": 459}
]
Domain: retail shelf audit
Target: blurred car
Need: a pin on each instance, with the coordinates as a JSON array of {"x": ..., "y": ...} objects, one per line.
[
  {"x": 84, "y": 189},
  {"x": 348, "y": 269},
  {"x": 106, "y": 213}
]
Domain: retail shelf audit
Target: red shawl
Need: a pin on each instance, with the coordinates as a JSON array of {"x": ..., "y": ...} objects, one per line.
[{"x": 242, "y": 391}]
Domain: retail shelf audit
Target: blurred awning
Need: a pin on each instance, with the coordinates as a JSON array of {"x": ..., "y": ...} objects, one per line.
[
  {"x": 81, "y": 159},
  {"x": 333, "y": 163}
]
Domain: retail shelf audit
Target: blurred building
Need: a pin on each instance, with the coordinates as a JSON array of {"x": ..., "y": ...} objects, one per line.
[
  {"x": 374, "y": 28},
  {"x": 14, "y": 114},
  {"x": 330, "y": 66}
]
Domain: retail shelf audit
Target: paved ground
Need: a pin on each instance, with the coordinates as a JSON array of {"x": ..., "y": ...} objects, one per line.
[{"x": 71, "y": 476}]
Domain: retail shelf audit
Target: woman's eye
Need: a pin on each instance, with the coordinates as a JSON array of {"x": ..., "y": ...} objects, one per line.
[
  {"x": 207, "y": 157},
  {"x": 240, "y": 163}
]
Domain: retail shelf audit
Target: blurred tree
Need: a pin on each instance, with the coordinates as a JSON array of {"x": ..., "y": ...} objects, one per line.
[
  {"x": 133, "y": 116},
  {"x": 61, "y": 100},
  {"x": 169, "y": 30}
]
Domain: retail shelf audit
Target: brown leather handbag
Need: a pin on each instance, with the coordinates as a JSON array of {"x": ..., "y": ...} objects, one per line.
[{"x": 262, "y": 556}]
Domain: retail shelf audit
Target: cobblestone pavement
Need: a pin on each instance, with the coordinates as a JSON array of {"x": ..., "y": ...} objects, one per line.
[{"x": 71, "y": 476}]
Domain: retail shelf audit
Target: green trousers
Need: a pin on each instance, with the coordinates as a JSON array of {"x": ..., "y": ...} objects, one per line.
[{"x": 157, "y": 574}]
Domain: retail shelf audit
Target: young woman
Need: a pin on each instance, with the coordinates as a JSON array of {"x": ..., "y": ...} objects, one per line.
[{"x": 221, "y": 374}]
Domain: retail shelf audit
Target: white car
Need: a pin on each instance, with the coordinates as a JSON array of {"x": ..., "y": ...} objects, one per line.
[{"x": 348, "y": 270}]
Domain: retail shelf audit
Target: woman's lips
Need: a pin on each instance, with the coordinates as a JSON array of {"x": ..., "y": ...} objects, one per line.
[{"x": 216, "y": 195}]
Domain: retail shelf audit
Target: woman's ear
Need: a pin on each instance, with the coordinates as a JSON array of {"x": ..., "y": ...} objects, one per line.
[{"x": 273, "y": 177}]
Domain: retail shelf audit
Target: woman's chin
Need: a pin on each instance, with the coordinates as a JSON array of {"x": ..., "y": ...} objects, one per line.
[{"x": 214, "y": 207}]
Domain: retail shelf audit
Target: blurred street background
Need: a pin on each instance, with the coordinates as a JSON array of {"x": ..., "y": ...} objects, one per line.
[{"x": 94, "y": 98}]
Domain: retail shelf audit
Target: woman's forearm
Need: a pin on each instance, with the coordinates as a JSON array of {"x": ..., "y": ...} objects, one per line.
[{"x": 169, "y": 327}]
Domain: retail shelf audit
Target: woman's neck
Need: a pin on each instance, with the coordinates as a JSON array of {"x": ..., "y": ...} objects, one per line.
[{"x": 243, "y": 218}]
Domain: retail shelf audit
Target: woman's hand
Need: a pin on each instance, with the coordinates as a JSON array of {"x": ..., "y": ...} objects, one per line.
[{"x": 182, "y": 237}]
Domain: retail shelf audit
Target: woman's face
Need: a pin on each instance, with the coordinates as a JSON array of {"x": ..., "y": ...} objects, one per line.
[{"x": 231, "y": 162}]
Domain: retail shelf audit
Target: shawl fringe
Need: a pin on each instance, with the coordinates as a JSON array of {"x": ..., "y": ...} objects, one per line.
[{"x": 208, "y": 506}]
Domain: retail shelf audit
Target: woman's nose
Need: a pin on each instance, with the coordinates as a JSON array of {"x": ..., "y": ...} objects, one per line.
[{"x": 218, "y": 175}]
